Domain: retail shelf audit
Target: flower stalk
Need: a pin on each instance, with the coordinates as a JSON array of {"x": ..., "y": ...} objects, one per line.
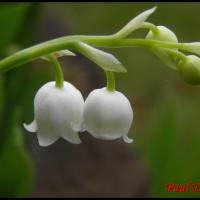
[
  {"x": 150, "y": 26},
  {"x": 110, "y": 81},
  {"x": 86, "y": 45},
  {"x": 70, "y": 42},
  {"x": 57, "y": 69}
]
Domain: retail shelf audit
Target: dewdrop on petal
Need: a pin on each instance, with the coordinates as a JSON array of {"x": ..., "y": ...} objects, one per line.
[
  {"x": 58, "y": 113},
  {"x": 107, "y": 115}
]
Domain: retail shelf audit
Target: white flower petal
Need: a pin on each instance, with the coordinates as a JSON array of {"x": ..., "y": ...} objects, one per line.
[
  {"x": 31, "y": 127},
  {"x": 78, "y": 127},
  {"x": 107, "y": 136},
  {"x": 127, "y": 139},
  {"x": 135, "y": 23},
  {"x": 47, "y": 138},
  {"x": 107, "y": 115},
  {"x": 72, "y": 137},
  {"x": 56, "y": 111}
]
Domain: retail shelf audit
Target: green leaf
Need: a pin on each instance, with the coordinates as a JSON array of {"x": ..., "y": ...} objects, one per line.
[
  {"x": 172, "y": 148},
  {"x": 105, "y": 60},
  {"x": 162, "y": 146},
  {"x": 1, "y": 96},
  {"x": 15, "y": 164},
  {"x": 135, "y": 23},
  {"x": 11, "y": 19}
]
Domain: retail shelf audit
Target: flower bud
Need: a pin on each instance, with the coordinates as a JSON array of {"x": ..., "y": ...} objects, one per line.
[
  {"x": 163, "y": 34},
  {"x": 190, "y": 69},
  {"x": 58, "y": 113},
  {"x": 107, "y": 115}
]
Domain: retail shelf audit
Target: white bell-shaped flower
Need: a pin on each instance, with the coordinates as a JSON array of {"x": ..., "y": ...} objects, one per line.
[
  {"x": 107, "y": 115},
  {"x": 58, "y": 113}
]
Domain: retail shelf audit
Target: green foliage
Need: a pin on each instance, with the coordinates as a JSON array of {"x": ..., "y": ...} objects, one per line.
[
  {"x": 15, "y": 164},
  {"x": 1, "y": 96},
  {"x": 173, "y": 149},
  {"x": 11, "y": 19}
]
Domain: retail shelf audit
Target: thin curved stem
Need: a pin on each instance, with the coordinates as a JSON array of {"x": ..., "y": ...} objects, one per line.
[
  {"x": 58, "y": 70},
  {"x": 110, "y": 81},
  {"x": 150, "y": 26},
  {"x": 176, "y": 53},
  {"x": 69, "y": 42}
]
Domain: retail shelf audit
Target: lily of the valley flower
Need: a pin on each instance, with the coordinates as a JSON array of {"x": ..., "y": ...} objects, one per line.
[
  {"x": 107, "y": 115},
  {"x": 58, "y": 113},
  {"x": 163, "y": 34}
]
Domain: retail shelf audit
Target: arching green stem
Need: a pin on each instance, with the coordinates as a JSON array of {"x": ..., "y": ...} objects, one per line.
[
  {"x": 110, "y": 81},
  {"x": 150, "y": 26},
  {"x": 177, "y": 54},
  {"x": 58, "y": 70},
  {"x": 70, "y": 42}
]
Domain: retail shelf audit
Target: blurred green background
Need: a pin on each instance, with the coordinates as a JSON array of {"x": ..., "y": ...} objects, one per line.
[{"x": 166, "y": 110}]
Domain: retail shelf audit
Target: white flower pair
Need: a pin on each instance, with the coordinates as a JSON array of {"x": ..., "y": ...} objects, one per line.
[{"x": 63, "y": 113}]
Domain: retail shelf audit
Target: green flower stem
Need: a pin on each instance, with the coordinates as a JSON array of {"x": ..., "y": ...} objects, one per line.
[
  {"x": 70, "y": 42},
  {"x": 110, "y": 81},
  {"x": 151, "y": 27},
  {"x": 58, "y": 70},
  {"x": 177, "y": 54}
]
